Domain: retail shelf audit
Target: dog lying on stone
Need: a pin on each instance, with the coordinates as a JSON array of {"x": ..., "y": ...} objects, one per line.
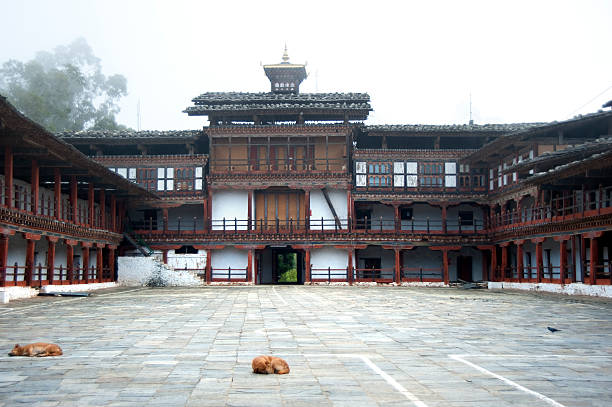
[
  {"x": 38, "y": 349},
  {"x": 269, "y": 365}
]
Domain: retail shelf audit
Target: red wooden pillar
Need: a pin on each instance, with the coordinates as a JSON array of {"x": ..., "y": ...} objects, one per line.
[
  {"x": 562, "y": 260},
  {"x": 29, "y": 261},
  {"x": 35, "y": 186},
  {"x": 349, "y": 208},
  {"x": 250, "y": 263},
  {"x": 519, "y": 260},
  {"x": 70, "y": 260},
  {"x": 205, "y": 215},
  {"x": 51, "y": 259},
  {"x": 165, "y": 219},
  {"x": 398, "y": 223},
  {"x": 57, "y": 193},
  {"x": 250, "y": 208},
  {"x": 8, "y": 176},
  {"x": 398, "y": 266},
  {"x": 504, "y": 261},
  {"x": 444, "y": 228},
  {"x": 208, "y": 266},
  {"x": 539, "y": 261},
  {"x": 74, "y": 199},
  {"x": 111, "y": 262},
  {"x": 165, "y": 256},
  {"x": 493, "y": 270},
  {"x": 102, "y": 208},
  {"x": 307, "y": 208},
  {"x": 85, "y": 265},
  {"x": 445, "y": 263},
  {"x": 4, "y": 240},
  {"x": 307, "y": 277},
  {"x": 90, "y": 204},
  {"x": 99, "y": 263},
  {"x": 209, "y": 209},
  {"x": 113, "y": 209},
  {"x": 350, "y": 266},
  {"x": 594, "y": 259}
]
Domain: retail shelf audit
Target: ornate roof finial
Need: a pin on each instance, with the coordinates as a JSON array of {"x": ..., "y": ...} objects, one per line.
[{"x": 285, "y": 55}]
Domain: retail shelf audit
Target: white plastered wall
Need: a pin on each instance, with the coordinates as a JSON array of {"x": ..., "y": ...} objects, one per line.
[
  {"x": 420, "y": 213},
  {"x": 388, "y": 217},
  {"x": 476, "y": 263},
  {"x": 387, "y": 257},
  {"x": 423, "y": 257},
  {"x": 187, "y": 213},
  {"x": 187, "y": 261},
  {"x": 329, "y": 257},
  {"x": 319, "y": 208},
  {"x": 230, "y": 205},
  {"x": 229, "y": 257}
]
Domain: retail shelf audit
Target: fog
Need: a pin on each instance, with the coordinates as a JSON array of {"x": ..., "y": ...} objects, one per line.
[{"x": 521, "y": 61}]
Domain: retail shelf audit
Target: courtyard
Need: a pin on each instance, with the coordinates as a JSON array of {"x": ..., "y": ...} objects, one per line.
[{"x": 346, "y": 346}]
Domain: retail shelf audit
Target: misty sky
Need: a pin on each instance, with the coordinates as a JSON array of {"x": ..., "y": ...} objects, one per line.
[{"x": 521, "y": 60}]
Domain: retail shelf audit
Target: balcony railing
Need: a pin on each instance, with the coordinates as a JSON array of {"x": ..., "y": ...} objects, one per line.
[
  {"x": 378, "y": 275},
  {"x": 422, "y": 274},
  {"x": 562, "y": 208},
  {"x": 16, "y": 275},
  {"x": 280, "y": 165},
  {"x": 329, "y": 274}
]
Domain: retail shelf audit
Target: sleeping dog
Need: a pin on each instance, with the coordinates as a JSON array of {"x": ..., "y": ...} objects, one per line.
[
  {"x": 269, "y": 365},
  {"x": 39, "y": 349}
]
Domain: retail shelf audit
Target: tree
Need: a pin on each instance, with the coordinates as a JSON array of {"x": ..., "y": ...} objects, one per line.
[{"x": 64, "y": 90}]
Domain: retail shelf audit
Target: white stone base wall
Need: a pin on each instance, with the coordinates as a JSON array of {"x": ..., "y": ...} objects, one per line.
[
  {"x": 569, "y": 289},
  {"x": 139, "y": 271},
  {"x": 76, "y": 287},
  {"x": 423, "y": 284},
  {"x": 16, "y": 293}
]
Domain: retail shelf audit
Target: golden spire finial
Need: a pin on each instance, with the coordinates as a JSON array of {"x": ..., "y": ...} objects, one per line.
[{"x": 285, "y": 55}]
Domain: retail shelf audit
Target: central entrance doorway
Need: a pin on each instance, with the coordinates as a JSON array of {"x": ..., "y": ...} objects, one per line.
[{"x": 280, "y": 265}]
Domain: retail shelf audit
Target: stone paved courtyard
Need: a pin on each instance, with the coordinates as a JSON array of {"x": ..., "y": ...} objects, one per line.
[{"x": 347, "y": 346}]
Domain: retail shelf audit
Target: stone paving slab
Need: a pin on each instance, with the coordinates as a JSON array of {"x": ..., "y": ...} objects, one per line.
[{"x": 347, "y": 346}]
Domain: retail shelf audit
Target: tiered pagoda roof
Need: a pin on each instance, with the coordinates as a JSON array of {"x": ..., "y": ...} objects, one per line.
[
  {"x": 241, "y": 107},
  {"x": 403, "y": 129}
]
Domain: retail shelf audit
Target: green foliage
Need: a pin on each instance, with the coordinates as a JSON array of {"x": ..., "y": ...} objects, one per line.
[
  {"x": 287, "y": 268},
  {"x": 64, "y": 90}
]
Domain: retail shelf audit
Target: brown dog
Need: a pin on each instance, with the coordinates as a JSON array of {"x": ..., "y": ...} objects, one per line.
[
  {"x": 269, "y": 365},
  {"x": 39, "y": 349}
]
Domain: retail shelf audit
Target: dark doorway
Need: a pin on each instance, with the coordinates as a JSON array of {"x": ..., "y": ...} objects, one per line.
[
  {"x": 464, "y": 268},
  {"x": 371, "y": 267},
  {"x": 280, "y": 266},
  {"x": 363, "y": 218}
]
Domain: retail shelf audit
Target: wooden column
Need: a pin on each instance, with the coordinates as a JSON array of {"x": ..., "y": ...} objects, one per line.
[
  {"x": 493, "y": 270},
  {"x": 444, "y": 227},
  {"x": 250, "y": 208},
  {"x": 85, "y": 265},
  {"x": 582, "y": 258},
  {"x": 70, "y": 260},
  {"x": 74, "y": 199},
  {"x": 99, "y": 263},
  {"x": 210, "y": 209},
  {"x": 504, "y": 260},
  {"x": 51, "y": 259},
  {"x": 90, "y": 204},
  {"x": 307, "y": 277},
  {"x": 307, "y": 208},
  {"x": 208, "y": 266},
  {"x": 29, "y": 261},
  {"x": 349, "y": 208},
  {"x": 35, "y": 184},
  {"x": 165, "y": 256},
  {"x": 398, "y": 266},
  {"x": 4, "y": 240},
  {"x": 111, "y": 262},
  {"x": 113, "y": 210},
  {"x": 562, "y": 260},
  {"x": 165, "y": 218},
  {"x": 445, "y": 263},
  {"x": 249, "y": 275},
  {"x": 519, "y": 260},
  {"x": 8, "y": 177},
  {"x": 594, "y": 258},
  {"x": 350, "y": 266},
  {"x": 205, "y": 214},
  {"x": 573, "y": 276},
  {"x": 57, "y": 176},
  {"x": 539, "y": 261},
  {"x": 102, "y": 208},
  {"x": 398, "y": 222}
]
